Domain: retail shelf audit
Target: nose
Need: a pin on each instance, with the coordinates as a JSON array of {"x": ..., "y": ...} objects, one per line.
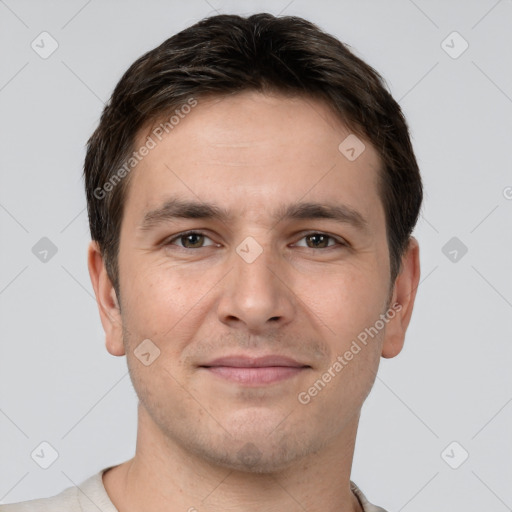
[{"x": 256, "y": 295}]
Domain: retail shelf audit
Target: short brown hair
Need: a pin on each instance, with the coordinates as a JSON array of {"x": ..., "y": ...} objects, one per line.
[{"x": 226, "y": 54}]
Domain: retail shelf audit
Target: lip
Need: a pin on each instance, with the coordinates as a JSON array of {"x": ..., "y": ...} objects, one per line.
[
  {"x": 255, "y": 371},
  {"x": 255, "y": 362}
]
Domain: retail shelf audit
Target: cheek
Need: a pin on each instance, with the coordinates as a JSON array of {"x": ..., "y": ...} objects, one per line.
[
  {"x": 151, "y": 301},
  {"x": 165, "y": 302},
  {"x": 346, "y": 302},
  {"x": 156, "y": 286}
]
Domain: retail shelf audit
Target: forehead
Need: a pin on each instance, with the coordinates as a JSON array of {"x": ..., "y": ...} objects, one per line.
[{"x": 250, "y": 149}]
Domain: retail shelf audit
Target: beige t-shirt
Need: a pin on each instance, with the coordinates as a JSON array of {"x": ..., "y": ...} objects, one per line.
[{"x": 91, "y": 496}]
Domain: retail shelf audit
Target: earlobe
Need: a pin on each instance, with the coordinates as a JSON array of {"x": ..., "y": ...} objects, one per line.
[
  {"x": 404, "y": 294},
  {"x": 107, "y": 301}
]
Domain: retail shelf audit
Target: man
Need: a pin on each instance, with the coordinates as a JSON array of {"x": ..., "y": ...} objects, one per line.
[{"x": 252, "y": 191}]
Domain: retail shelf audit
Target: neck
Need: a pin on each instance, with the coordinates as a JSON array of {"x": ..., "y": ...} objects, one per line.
[{"x": 163, "y": 477}]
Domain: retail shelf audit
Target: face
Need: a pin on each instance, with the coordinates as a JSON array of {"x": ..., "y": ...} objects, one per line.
[{"x": 251, "y": 297}]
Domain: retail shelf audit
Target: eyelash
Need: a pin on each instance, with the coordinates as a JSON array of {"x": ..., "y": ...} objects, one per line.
[{"x": 338, "y": 241}]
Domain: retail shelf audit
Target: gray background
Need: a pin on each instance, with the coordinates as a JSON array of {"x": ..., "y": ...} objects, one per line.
[{"x": 452, "y": 382}]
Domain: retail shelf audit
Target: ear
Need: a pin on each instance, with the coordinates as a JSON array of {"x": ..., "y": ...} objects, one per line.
[
  {"x": 107, "y": 300},
  {"x": 404, "y": 293}
]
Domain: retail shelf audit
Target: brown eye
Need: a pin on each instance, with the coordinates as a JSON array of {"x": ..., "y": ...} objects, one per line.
[
  {"x": 318, "y": 240},
  {"x": 190, "y": 240}
]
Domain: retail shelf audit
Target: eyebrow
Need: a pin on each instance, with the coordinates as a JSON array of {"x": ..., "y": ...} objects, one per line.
[{"x": 175, "y": 208}]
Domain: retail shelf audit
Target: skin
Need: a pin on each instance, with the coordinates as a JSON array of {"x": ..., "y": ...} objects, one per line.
[{"x": 205, "y": 443}]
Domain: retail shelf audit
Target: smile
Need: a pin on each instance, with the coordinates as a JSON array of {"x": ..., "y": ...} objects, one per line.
[{"x": 255, "y": 371}]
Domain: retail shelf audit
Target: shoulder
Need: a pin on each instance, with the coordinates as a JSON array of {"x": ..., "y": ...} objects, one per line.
[
  {"x": 367, "y": 506},
  {"x": 67, "y": 498},
  {"x": 86, "y": 497}
]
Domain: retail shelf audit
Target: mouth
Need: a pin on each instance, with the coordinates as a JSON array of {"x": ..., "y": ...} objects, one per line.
[{"x": 257, "y": 371}]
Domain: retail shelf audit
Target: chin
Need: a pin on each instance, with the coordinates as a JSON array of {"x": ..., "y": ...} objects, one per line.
[
  {"x": 262, "y": 446},
  {"x": 255, "y": 458}
]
